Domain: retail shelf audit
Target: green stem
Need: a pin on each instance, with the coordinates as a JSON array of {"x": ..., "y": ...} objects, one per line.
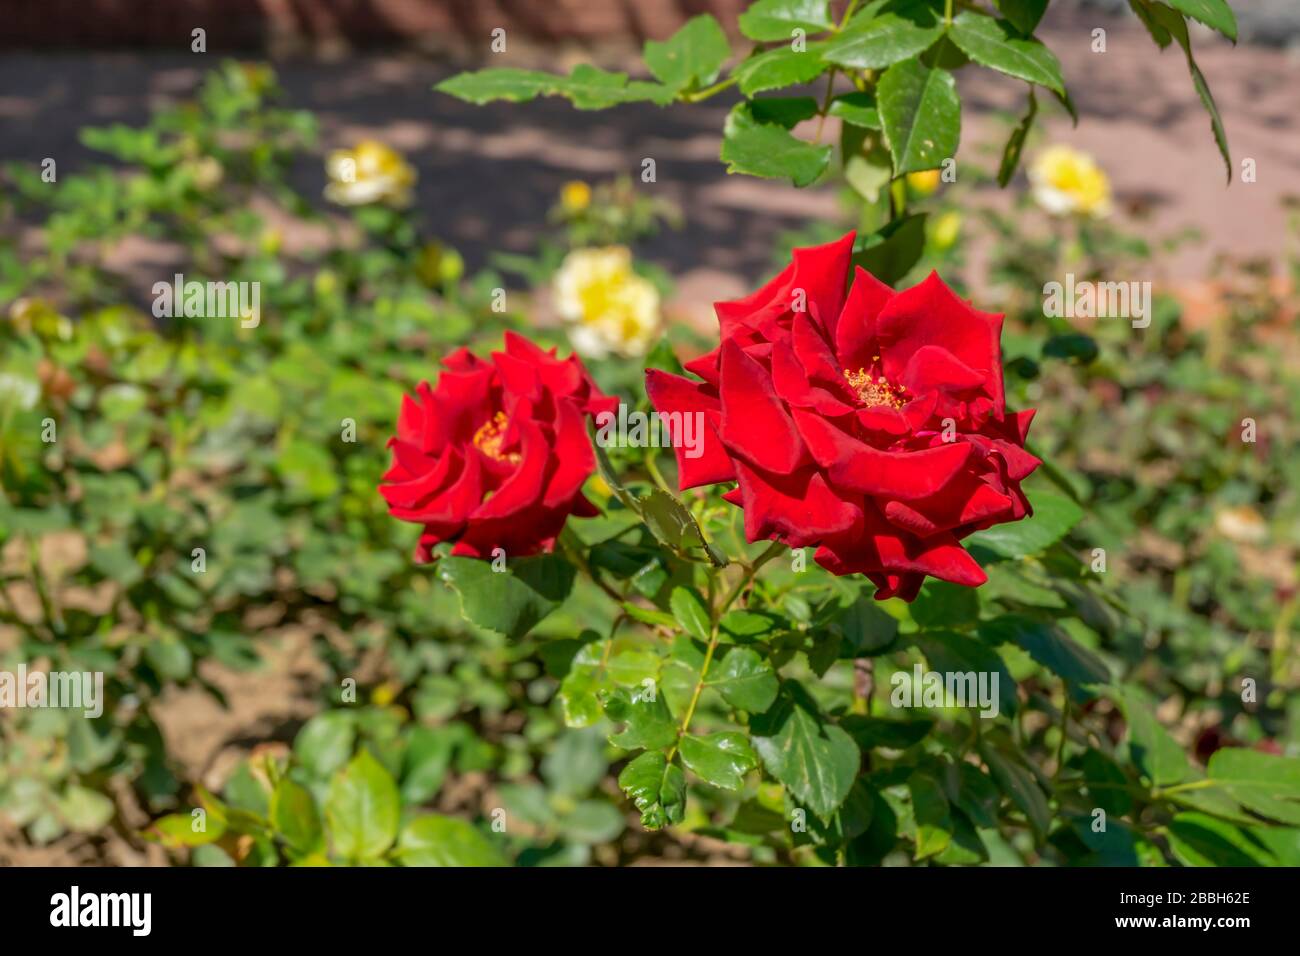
[
  {"x": 826, "y": 104},
  {"x": 1159, "y": 792},
  {"x": 848, "y": 12},
  {"x": 652, "y": 466},
  {"x": 772, "y": 551},
  {"x": 708, "y": 91},
  {"x": 947, "y": 13},
  {"x": 53, "y": 620}
]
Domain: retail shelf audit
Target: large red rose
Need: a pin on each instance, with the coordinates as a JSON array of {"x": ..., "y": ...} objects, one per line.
[
  {"x": 496, "y": 455},
  {"x": 868, "y": 423}
]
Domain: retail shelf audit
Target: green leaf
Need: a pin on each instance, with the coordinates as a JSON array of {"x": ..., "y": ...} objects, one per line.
[
  {"x": 325, "y": 743},
  {"x": 930, "y": 810},
  {"x": 694, "y": 54},
  {"x": 85, "y": 810},
  {"x": 921, "y": 115},
  {"x": 872, "y": 732},
  {"x": 943, "y": 604},
  {"x": 649, "y": 725},
  {"x": 177, "y": 830},
  {"x": 1054, "y": 515},
  {"x": 1196, "y": 839},
  {"x": 672, "y": 523},
  {"x": 363, "y": 809},
  {"x": 1023, "y": 14},
  {"x": 865, "y": 630},
  {"x": 787, "y": 111},
  {"x": 435, "y": 840},
  {"x": 1018, "y": 783},
  {"x": 720, "y": 759},
  {"x": 1215, "y": 14},
  {"x": 575, "y": 763},
  {"x": 1263, "y": 783},
  {"x": 997, "y": 45},
  {"x": 1016, "y": 143},
  {"x": 815, "y": 759},
  {"x": 1174, "y": 25},
  {"x": 898, "y": 33},
  {"x": 689, "y": 610},
  {"x": 592, "y": 822},
  {"x": 1048, "y": 645},
  {"x": 770, "y": 20},
  {"x": 656, "y": 787},
  {"x": 769, "y": 151},
  {"x": 890, "y": 253},
  {"x": 513, "y": 601},
  {"x": 745, "y": 680},
  {"x": 295, "y": 818},
  {"x": 424, "y": 765},
  {"x": 948, "y": 652},
  {"x": 588, "y": 87},
  {"x": 1150, "y": 747},
  {"x": 779, "y": 68},
  {"x": 484, "y": 86},
  {"x": 856, "y": 108}
]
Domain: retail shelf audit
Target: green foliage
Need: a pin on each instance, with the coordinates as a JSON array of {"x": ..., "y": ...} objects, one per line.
[{"x": 902, "y": 53}]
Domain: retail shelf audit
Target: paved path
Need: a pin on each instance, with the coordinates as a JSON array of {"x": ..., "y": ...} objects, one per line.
[{"x": 489, "y": 174}]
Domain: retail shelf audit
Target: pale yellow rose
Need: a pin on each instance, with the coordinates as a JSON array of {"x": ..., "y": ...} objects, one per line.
[
  {"x": 608, "y": 306},
  {"x": 1241, "y": 524},
  {"x": 1067, "y": 182},
  {"x": 370, "y": 173}
]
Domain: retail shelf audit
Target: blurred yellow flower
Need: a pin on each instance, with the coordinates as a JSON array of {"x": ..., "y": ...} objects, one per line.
[
  {"x": 438, "y": 265},
  {"x": 370, "y": 173},
  {"x": 1068, "y": 182},
  {"x": 945, "y": 229},
  {"x": 1241, "y": 524},
  {"x": 923, "y": 183},
  {"x": 610, "y": 307},
  {"x": 575, "y": 197}
]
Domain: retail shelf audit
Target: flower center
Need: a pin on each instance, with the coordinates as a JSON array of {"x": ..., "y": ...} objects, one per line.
[
  {"x": 489, "y": 436},
  {"x": 874, "y": 391}
]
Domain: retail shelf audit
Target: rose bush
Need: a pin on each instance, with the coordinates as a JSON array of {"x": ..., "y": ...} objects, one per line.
[
  {"x": 871, "y": 424},
  {"x": 496, "y": 455}
]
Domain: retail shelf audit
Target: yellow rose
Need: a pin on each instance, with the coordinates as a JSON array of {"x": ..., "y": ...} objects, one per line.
[
  {"x": 923, "y": 183},
  {"x": 1068, "y": 182},
  {"x": 370, "y": 173},
  {"x": 609, "y": 307},
  {"x": 575, "y": 197}
]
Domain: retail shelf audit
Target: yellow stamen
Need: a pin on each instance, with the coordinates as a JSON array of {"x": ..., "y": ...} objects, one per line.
[
  {"x": 489, "y": 437},
  {"x": 874, "y": 394}
]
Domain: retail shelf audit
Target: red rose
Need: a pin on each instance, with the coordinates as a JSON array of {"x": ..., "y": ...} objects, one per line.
[
  {"x": 866, "y": 422},
  {"x": 496, "y": 455}
]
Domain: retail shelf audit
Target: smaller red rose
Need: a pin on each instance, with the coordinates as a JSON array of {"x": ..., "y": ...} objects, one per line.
[{"x": 496, "y": 455}]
